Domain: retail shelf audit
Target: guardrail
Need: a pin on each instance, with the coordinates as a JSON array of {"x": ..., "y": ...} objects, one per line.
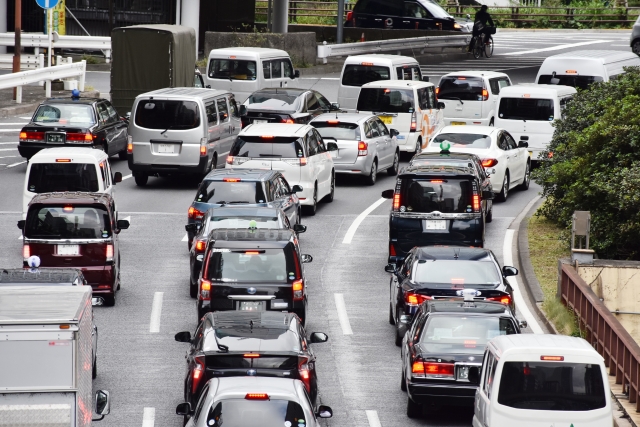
[
  {"x": 41, "y": 41},
  {"x": 46, "y": 74},
  {"x": 345, "y": 49},
  {"x": 26, "y": 61},
  {"x": 606, "y": 334}
]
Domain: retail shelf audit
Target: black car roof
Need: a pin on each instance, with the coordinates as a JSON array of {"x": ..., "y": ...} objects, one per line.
[
  {"x": 69, "y": 100},
  {"x": 238, "y": 238},
  {"x": 39, "y": 275},
  {"x": 240, "y": 210},
  {"x": 243, "y": 174},
  {"x": 460, "y": 253},
  {"x": 476, "y": 307}
]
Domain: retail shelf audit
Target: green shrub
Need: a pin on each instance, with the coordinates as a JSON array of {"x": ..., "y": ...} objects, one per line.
[{"x": 596, "y": 165}]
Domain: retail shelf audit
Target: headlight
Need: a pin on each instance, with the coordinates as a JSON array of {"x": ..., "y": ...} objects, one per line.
[{"x": 457, "y": 26}]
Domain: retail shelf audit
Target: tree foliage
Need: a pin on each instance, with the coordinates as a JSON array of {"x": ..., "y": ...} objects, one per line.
[{"x": 596, "y": 165}]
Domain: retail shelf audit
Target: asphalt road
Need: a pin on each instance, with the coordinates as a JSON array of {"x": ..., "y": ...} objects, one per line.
[{"x": 359, "y": 371}]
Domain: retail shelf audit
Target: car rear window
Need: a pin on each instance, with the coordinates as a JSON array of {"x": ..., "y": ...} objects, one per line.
[
  {"x": 448, "y": 273},
  {"x": 581, "y": 82},
  {"x": 339, "y": 130},
  {"x": 269, "y": 100},
  {"x": 256, "y": 147},
  {"x": 462, "y": 140},
  {"x": 158, "y": 114},
  {"x": 251, "y": 265},
  {"x": 232, "y": 69},
  {"x": 386, "y": 100},
  {"x": 243, "y": 222},
  {"x": 244, "y": 413},
  {"x": 357, "y": 74},
  {"x": 67, "y": 222},
  {"x": 446, "y": 195},
  {"x": 552, "y": 386},
  {"x": 461, "y": 87},
  {"x": 230, "y": 192},
  {"x": 65, "y": 114},
  {"x": 238, "y": 361},
  {"x": 526, "y": 109},
  {"x": 50, "y": 177}
]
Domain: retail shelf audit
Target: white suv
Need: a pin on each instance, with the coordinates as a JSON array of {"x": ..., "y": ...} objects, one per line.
[{"x": 297, "y": 151}]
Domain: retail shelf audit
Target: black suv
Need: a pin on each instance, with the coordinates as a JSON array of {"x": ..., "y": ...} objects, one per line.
[
  {"x": 264, "y": 344},
  {"x": 401, "y": 14},
  {"x": 253, "y": 270},
  {"x": 440, "y": 199},
  {"x": 446, "y": 339}
]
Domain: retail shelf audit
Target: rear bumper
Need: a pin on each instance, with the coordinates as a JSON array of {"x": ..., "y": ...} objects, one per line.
[
  {"x": 306, "y": 195},
  {"x": 225, "y": 304},
  {"x": 476, "y": 121},
  {"x": 362, "y": 166},
  {"x": 408, "y": 143},
  {"x": 149, "y": 169},
  {"x": 449, "y": 394},
  {"x": 29, "y": 149}
]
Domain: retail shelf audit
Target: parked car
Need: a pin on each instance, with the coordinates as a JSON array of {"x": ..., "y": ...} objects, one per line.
[
  {"x": 406, "y": 15},
  {"x": 635, "y": 37}
]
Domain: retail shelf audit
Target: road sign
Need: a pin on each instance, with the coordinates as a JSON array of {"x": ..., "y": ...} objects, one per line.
[{"x": 47, "y": 4}]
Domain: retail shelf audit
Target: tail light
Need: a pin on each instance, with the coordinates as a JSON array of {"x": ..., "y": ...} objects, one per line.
[
  {"x": 298, "y": 290},
  {"x": 197, "y": 374},
  {"x": 392, "y": 249},
  {"x": 362, "y": 148},
  {"x": 305, "y": 375},
  {"x": 129, "y": 144},
  {"x": 251, "y": 355},
  {"x": 201, "y": 246},
  {"x": 349, "y": 15},
  {"x": 437, "y": 91},
  {"x": 26, "y": 252},
  {"x": 80, "y": 137},
  {"x": 414, "y": 122},
  {"x": 411, "y": 298},
  {"x": 204, "y": 150},
  {"x": 505, "y": 299},
  {"x": 423, "y": 369},
  {"x": 194, "y": 213},
  {"x": 288, "y": 121},
  {"x": 205, "y": 290},
  {"x": 396, "y": 202},
  {"x": 475, "y": 198},
  {"x": 109, "y": 253},
  {"x": 485, "y": 94},
  {"x": 233, "y": 160},
  {"x": 231, "y": 179},
  {"x": 256, "y": 396},
  {"x": 489, "y": 163},
  {"x": 31, "y": 136},
  {"x": 300, "y": 161}
]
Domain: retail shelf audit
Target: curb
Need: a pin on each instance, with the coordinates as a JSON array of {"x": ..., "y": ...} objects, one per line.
[{"x": 30, "y": 108}]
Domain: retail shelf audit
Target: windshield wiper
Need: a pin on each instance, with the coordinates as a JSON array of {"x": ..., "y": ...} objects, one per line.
[{"x": 451, "y": 97}]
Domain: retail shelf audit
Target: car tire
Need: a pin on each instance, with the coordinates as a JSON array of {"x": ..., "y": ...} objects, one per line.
[
  {"x": 527, "y": 178},
  {"x": 635, "y": 47},
  {"x": 110, "y": 300},
  {"x": 489, "y": 216},
  {"x": 403, "y": 382},
  {"x": 141, "y": 179},
  {"x": 311, "y": 210},
  {"x": 193, "y": 288},
  {"x": 393, "y": 170},
  {"x": 329, "y": 197},
  {"x": 414, "y": 410},
  {"x": 418, "y": 146},
  {"x": 399, "y": 337},
  {"x": 122, "y": 155},
  {"x": 392, "y": 321},
  {"x": 504, "y": 192},
  {"x": 94, "y": 369},
  {"x": 373, "y": 173}
]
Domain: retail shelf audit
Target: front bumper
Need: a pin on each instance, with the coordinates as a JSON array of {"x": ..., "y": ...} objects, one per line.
[
  {"x": 151, "y": 169},
  {"x": 455, "y": 394}
]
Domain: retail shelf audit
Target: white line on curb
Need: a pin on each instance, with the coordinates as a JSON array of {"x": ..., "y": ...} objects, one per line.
[
  {"x": 343, "y": 318},
  {"x": 148, "y": 417},
  {"x": 156, "y": 312},
  {"x": 372, "y": 416},
  {"x": 16, "y": 164},
  {"x": 356, "y": 223},
  {"x": 560, "y": 47},
  {"x": 185, "y": 238}
]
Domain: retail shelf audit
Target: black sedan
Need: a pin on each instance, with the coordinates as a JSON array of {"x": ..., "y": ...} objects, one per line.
[
  {"x": 237, "y": 216},
  {"x": 75, "y": 122},
  {"x": 441, "y": 272},
  {"x": 277, "y": 105},
  {"x": 264, "y": 344},
  {"x": 446, "y": 340},
  {"x": 399, "y": 14}
]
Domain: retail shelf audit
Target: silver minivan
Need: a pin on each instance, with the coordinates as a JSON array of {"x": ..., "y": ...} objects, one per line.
[{"x": 185, "y": 131}]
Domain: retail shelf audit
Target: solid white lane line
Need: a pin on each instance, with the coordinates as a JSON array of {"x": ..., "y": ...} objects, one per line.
[
  {"x": 9, "y": 149},
  {"x": 14, "y": 124},
  {"x": 127, "y": 218},
  {"x": 372, "y": 416},
  {"x": 25, "y": 118},
  {"x": 343, "y": 318},
  {"x": 16, "y": 164},
  {"x": 185, "y": 238},
  {"x": 8, "y": 143},
  {"x": 354, "y": 226},
  {"x": 126, "y": 177},
  {"x": 10, "y": 130},
  {"x": 156, "y": 312},
  {"x": 148, "y": 417},
  {"x": 521, "y": 305},
  {"x": 20, "y": 237},
  {"x": 559, "y": 47},
  {"x": 7, "y": 157}
]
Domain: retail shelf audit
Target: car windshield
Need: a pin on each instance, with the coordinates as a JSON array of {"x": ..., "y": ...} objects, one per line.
[
  {"x": 462, "y": 140},
  {"x": 231, "y": 191},
  {"x": 51, "y": 177},
  {"x": 232, "y": 69},
  {"x": 257, "y": 147},
  {"x": 357, "y": 75},
  {"x": 158, "y": 114},
  {"x": 255, "y": 413},
  {"x": 67, "y": 222},
  {"x": 449, "y": 195},
  {"x": 456, "y": 273},
  {"x": 461, "y": 87},
  {"x": 552, "y": 386},
  {"x": 243, "y": 222},
  {"x": 463, "y": 335},
  {"x": 435, "y": 9},
  {"x": 339, "y": 130},
  {"x": 65, "y": 114},
  {"x": 274, "y": 101},
  {"x": 526, "y": 109},
  {"x": 255, "y": 265},
  {"x": 581, "y": 82},
  {"x": 386, "y": 100}
]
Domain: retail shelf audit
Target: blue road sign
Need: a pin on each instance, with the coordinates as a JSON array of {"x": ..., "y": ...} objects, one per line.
[{"x": 47, "y": 4}]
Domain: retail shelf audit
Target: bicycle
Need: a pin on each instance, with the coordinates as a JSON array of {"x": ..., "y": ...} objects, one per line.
[{"x": 483, "y": 46}]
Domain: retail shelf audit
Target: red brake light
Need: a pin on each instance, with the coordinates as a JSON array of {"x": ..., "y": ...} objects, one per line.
[
  {"x": 195, "y": 213},
  {"x": 288, "y": 121},
  {"x": 367, "y": 64},
  {"x": 252, "y": 252},
  {"x": 333, "y": 122},
  {"x": 506, "y": 299},
  {"x": 257, "y": 396},
  {"x": 305, "y": 376},
  {"x": 229, "y": 160},
  {"x": 552, "y": 358},
  {"x": 80, "y": 137},
  {"x": 437, "y": 91},
  {"x": 362, "y": 148},
  {"x": 462, "y": 78},
  {"x": 349, "y": 15},
  {"x": 414, "y": 123},
  {"x": 205, "y": 290},
  {"x": 37, "y": 136},
  {"x": 438, "y": 370},
  {"x": 130, "y": 148},
  {"x": 250, "y": 355},
  {"x": 476, "y": 203},
  {"x": 396, "y": 201},
  {"x": 26, "y": 252},
  {"x": 200, "y": 245},
  {"x": 437, "y": 181},
  {"x": 417, "y": 368},
  {"x": 392, "y": 249},
  {"x": 203, "y": 150},
  {"x": 303, "y": 161},
  {"x": 415, "y": 299},
  {"x": 109, "y": 252},
  {"x": 266, "y": 137},
  {"x": 488, "y": 163},
  {"x": 68, "y": 209},
  {"x": 196, "y": 375},
  {"x": 231, "y": 179},
  {"x": 298, "y": 290},
  {"x": 63, "y": 160}
]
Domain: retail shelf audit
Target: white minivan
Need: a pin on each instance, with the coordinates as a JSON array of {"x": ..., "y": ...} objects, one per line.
[
  {"x": 541, "y": 380},
  {"x": 244, "y": 70},
  {"x": 580, "y": 68},
  {"x": 527, "y": 112},
  {"x": 361, "y": 69},
  {"x": 68, "y": 169},
  {"x": 471, "y": 97}
]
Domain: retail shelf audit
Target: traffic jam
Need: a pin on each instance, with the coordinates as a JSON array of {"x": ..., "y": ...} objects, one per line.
[{"x": 262, "y": 157}]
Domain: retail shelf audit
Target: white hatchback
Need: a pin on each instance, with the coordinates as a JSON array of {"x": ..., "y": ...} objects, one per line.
[
  {"x": 508, "y": 163},
  {"x": 297, "y": 151}
]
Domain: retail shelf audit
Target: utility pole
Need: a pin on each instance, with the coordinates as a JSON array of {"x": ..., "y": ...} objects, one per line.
[
  {"x": 16, "y": 51},
  {"x": 340, "y": 22}
]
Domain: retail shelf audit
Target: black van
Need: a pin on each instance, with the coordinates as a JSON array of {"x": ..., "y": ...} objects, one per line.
[{"x": 440, "y": 199}]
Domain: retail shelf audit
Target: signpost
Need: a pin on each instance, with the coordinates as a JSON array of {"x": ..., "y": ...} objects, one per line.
[{"x": 48, "y": 5}]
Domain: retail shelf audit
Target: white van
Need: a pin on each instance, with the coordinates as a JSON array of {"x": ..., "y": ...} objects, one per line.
[
  {"x": 410, "y": 107},
  {"x": 244, "y": 70},
  {"x": 580, "y": 68},
  {"x": 540, "y": 381},
  {"x": 471, "y": 97},
  {"x": 527, "y": 111},
  {"x": 68, "y": 169},
  {"x": 361, "y": 69}
]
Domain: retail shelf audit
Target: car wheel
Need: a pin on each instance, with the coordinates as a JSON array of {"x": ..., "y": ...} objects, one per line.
[
  {"x": 393, "y": 170},
  {"x": 403, "y": 382},
  {"x": 193, "y": 288},
  {"x": 110, "y": 300},
  {"x": 527, "y": 179},
  {"x": 489, "y": 216},
  {"x": 311, "y": 210},
  {"x": 94, "y": 370},
  {"x": 373, "y": 174},
  {"x": 329, "y": 197},
  {"x": 635, "y": 48},
  {"x": 414, "y": 410},
  {"x": 504, "y": 193},
  {"x": 418, "y": 146},
  {"x": 392, "y": 321},
  {"x": 122, "y": 155},
  {"x": 141, "y": 179}
]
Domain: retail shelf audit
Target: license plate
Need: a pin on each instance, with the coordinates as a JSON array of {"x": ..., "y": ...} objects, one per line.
[
  {"x": 57, "y": 138},
  {"x": 251, "y": 306},
  {"x": 386, "y": 119},
  {"x": 463, "y": 372},
  {"x": 260, "y": 121},
  {"x": 68, "y": 250},
  {"x": 435, "y": 225},
  {"x": 166, "y": 148},
  {"x": 458, "y": 123}
]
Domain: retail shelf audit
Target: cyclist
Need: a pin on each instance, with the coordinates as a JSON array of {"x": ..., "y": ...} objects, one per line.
[{"x": 480, "y": 25}]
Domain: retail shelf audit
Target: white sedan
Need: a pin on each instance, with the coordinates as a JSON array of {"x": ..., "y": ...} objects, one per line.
[{"x": 507, "y": 162}]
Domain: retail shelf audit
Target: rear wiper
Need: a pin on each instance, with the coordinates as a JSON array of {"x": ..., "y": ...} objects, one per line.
[
  {"x": 164, "y": 131},
  {"x": 270, "y": 155},
  {"x": 452, "y": 97},
  {"x": 238, "y": 201}
]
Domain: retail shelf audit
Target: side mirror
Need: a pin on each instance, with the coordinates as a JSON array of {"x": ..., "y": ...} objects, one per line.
[
  {"x": 474, "y": 375},
  {"x": 335, "y": 106},
  {"x": 441, "y": 105},
  {"x": 332, "y": 146},
  {"x": 317, "y": 337},
  {"x": 183, "y": 336},
  {"x": 183, "y": 409},
  {"x": 21, "y": 224},
  {"x": 117, "y": 177},
  {"x": 390, "y": 268},
  {"x": 97, "y": 301},
  {"x": 299, "y": 228},
  {"x": 296, "y": 189},
  {"x": 324, "y": 412},
  {"x": 394, "y": 132},
  {"x": 122, "y": 224},
  {"x": 190, "y": 228},
  {"x": 208, "y": 86},
  {"x": 509, "y": 271},
  {"x": 425, "y": 79},
  {"x": 102, "y": 406},
  {"x": 490, "y": 171},
  {"x": 242, "y": 110},
  {"x": 406, "y": 319},
  {"x": 523, "y": 144},
  {"x": 387, "y": 194},
  {"x": 306, "y": 258},
  {"x": 523, "y": 324},
  {"x": 487, "y": 194},
  {"x": 296, "y": 74}
]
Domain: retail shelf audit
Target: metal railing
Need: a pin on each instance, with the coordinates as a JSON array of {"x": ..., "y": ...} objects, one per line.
[
  {"x": 28, "y": 62},
  {"x": 307, "y": 9},
  {"x": 41, "y": 41},
  {"x": 620, "y": 351},
  {"x": 46, "y": 74}
]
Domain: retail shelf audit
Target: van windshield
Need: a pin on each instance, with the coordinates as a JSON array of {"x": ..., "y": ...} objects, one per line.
[
  {"x": 257, "y": 147},
  {"x": 264, "y": 265},
  {"x": 581, "y": 82},
  {"x": 51, "y": 177},
  {"x": 232, "y": 69},
  {"x": 357, "y": 75},
  {"x": 443, "y": 195},
  {"x": 526, "y": 109},
  {"x": 386, "y": 100},
  {"x": 460, "y": 87},
  {"x": 340, "y": 130},
  {"x": 67, "y": 222},
  {"x": 552, "y": 386},
  {"x": 159, "y": 114},
  {"x": 65, "y": 114}
]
